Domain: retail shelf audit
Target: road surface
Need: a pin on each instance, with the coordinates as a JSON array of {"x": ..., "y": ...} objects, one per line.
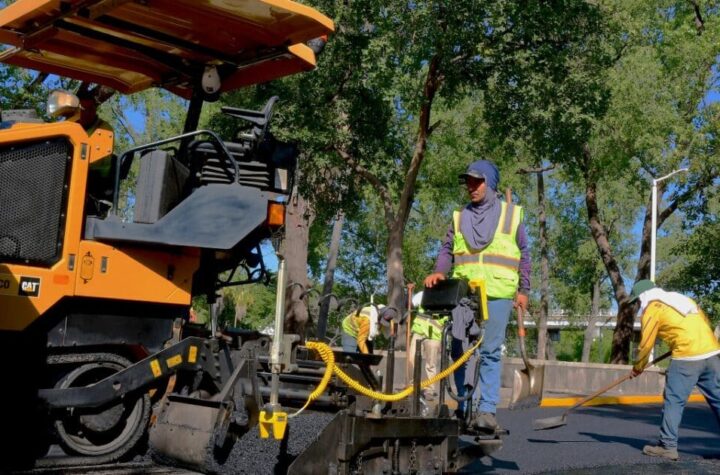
[{"x": 603, "y": 440}]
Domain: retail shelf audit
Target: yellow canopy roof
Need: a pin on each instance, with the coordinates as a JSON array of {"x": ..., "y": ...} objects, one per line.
[{"x": 131, "y": 45}]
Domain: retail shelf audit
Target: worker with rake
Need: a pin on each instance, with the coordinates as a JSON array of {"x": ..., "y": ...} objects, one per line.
[{"x": 680, "y": 323}]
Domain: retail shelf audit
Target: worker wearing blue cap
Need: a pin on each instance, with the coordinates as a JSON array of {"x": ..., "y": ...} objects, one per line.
[{"x": 486, "y": 241}]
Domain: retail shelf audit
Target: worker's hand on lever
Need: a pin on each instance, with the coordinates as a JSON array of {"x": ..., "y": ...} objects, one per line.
[
  {"x": 433, "y": 279},
  {"x": 635, "y": 372},
  {"x": 521, "y": 302}
]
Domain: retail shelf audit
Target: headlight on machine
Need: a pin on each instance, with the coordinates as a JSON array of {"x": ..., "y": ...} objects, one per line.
[{"x": 62, "y": 103}]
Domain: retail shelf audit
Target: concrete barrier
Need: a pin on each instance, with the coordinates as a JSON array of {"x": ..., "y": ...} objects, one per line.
[
  {"x": 567, "y": 378},
  {"x": 572, "y": 378}
]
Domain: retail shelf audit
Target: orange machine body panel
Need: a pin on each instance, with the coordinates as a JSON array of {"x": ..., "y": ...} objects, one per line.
[
  {"x": 147, "y": 275},
  {"x": 27, "y": 292},
  {"x": 133, "y": 45}
]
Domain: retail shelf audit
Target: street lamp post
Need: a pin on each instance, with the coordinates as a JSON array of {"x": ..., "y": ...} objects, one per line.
[{"x": 653, "y": 237}]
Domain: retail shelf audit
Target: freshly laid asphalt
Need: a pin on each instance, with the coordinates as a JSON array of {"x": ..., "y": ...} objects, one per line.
[
  {"x": 602, "y": 440},
  {"x": 598, "y": 440}
]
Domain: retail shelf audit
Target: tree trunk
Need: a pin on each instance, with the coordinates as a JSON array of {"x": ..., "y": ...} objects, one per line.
[
  {"x": 330, "y": 275},
  {"x": 295, "y": 249},
  {"x": 396, "y": 219},
  {"x": 550, "y": 350},
  {"x": 624, "y": 326},
  {"x": 542, "y": 341},
  {"x": 592, "y": 320}
]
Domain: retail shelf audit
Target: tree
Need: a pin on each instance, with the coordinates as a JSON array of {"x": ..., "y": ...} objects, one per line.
[
  {"x": 628, "y": 102},
  {"x": 542, "y": 339},
  {"x": 659, "y": 86}
]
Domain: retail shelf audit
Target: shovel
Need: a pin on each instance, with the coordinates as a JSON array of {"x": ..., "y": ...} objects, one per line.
[
  {"x": 559, "y": 421},
  {"x": 527, "y": 382}
]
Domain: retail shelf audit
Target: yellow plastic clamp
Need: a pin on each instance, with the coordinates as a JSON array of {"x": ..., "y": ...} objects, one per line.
[
  {"x": 277, "y": 421},
  {"x": 479, "y": 287}
]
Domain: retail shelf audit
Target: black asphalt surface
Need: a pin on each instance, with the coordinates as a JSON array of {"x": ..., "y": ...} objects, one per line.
[{"x": 603, "y": 440}]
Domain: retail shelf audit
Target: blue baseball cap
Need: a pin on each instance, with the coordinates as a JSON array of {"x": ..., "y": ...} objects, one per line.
[{"x": 483, "y": 169}]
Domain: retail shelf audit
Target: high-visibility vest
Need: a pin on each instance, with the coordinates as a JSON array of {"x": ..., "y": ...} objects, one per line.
[
  {"x": 498, "y": 264},
  {"x": 350, "y": 324},
  {"x": 428, "y": 327}
]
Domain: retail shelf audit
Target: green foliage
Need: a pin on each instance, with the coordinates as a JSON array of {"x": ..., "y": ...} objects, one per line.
[
  {"x": 569, "y": 348},
  {"x": 253, "y": 306},
  {"x": 24, "y": 89},
  {"x": 697, "y": 269},
  {"x": 250, "y": 306},
  {"x": 601, "y": 348}
]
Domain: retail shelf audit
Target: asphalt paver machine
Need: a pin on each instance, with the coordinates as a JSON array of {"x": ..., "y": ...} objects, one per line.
[{"x": 98, "y": 264}]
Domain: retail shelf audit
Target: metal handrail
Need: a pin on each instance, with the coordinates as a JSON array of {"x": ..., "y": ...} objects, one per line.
[{"x": 131, "y": 152}]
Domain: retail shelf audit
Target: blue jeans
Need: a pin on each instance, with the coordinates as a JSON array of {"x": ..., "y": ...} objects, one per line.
[
  {"x": 349, "y": 343},
  {"x": 682, "y": 376},
  {"x": 487, "y": 396}
]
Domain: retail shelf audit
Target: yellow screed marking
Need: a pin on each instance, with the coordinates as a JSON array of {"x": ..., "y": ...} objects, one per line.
[
  {"x": 155, "y": 367},
  {"x": 174, "y": 361},
  {"x": 192, "y": 354}
]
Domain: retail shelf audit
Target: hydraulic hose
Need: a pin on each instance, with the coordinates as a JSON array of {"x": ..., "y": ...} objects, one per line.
[
  {"x": 326, "y": 354},
  {"x": 329, "y": 360}
]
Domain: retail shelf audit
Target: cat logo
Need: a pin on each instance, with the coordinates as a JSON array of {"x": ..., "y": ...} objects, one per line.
[{"x": 29, "y": 286}]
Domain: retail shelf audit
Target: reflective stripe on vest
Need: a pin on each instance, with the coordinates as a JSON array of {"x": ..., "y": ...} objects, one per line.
[
  {"x": 428, "y": 327},
  {"x": 499, "y": 262}
]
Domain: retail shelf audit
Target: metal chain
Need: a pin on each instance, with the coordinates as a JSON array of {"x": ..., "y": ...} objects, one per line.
[
  {"x": 412, "y": 460},
  {"x": 358, "y": 464}
]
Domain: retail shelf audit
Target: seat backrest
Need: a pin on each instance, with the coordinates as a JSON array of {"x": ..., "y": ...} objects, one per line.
[
  {"x": 160, "y": 184},
  {"x": 215, "y": 168}
]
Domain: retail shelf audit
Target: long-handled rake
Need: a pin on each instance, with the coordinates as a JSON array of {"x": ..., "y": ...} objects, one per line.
[{"x": 559, "y": 421}]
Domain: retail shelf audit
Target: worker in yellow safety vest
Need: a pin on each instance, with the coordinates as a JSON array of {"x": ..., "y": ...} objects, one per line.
[
  {"x": 486, "y": 241},
  {"x": 359, "y": 329},
  {"x": 427, "y": 331}
]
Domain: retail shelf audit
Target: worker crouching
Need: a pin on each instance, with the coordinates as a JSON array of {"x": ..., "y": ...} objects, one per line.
[{"x": 360, "y": 328}]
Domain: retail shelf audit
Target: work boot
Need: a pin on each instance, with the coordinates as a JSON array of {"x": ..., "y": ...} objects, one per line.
[
  {"x": 660, "y": 451},
  {"x": 485, "y": 422}
]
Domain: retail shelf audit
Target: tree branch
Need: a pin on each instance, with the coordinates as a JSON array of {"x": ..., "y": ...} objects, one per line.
[
  {"x": 432, "y": 128},
  {"x": 527, "y": 171},
  {"x": 374, "y": 181},
  {"x": 122, "y": 120},
  {"x": 673, "y": 206},
  {"x": 699, "y": 22},
  {"x": 432, "y": 84}
]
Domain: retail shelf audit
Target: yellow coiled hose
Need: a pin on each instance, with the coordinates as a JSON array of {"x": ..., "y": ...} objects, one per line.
[{"x": 328, "y": 357}]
